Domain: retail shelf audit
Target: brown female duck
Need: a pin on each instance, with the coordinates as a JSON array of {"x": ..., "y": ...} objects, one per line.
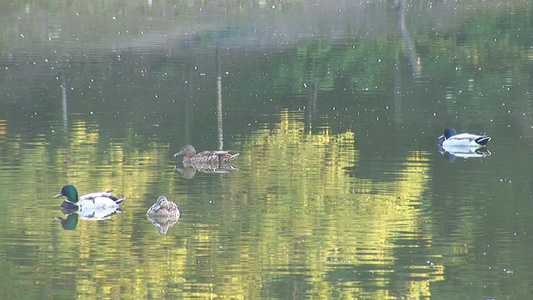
[
  {"x": 205, "y": 157},
  {"x": 163, "y": 214},
  {"x": 164, "y": 208}
]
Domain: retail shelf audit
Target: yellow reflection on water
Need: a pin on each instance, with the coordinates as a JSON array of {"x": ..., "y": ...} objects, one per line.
[
  {"x": 333, "y": 217},
  {"x": 3, "y": 128},
  {"x": 292, "y": 211}
]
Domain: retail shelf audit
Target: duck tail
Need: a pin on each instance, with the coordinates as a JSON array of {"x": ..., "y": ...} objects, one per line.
[
  {"x": 483, "y": 140},
  {"x": 117, "y": 201},
  {"x": 233, "y": 156}
]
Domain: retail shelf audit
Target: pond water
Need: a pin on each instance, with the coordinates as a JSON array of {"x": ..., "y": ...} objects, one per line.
[{"x": 340, "y": 190}]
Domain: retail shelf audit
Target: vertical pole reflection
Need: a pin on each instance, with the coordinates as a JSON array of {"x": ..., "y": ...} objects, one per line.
[
  {"x": 312, "y": 92},
  {"x": 219, "y": 101},
  {"x": 410, "y": 49},
  {"x": 412, "y": 56},
  {"x": 312, "y": 95},
  {"x": 188, "y": 106},
  {"x": 397, "y": 92},
  {"x": 64, "y": 102}
]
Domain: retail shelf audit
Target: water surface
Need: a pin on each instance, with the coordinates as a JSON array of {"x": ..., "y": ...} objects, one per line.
[{"x": 339, "y": 192}]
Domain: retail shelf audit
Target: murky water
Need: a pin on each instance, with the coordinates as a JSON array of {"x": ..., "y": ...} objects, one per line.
[{"x": 339, "y": 192}]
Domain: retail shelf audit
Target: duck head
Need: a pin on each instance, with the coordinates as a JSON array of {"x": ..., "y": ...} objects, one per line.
[
  {"x": 160, "y": 201},
  {"x": 70, "y": 192},
  {"x": 187, "y": 150},
  {"x": 448, "y": 133}
]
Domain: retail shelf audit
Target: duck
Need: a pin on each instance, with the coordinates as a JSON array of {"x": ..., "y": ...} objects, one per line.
[
  {"x": 451, "y": 139},
  {"x": 190, "y": 157},
  {"x": 164, "y": 208},
  {"x": 87, "y": 202}
]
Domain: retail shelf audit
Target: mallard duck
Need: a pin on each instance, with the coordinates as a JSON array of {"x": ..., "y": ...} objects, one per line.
[
  {"x": 164, "y": 208},
  {"x": 205, "y": 157},
  {"x": 87, "y": 202},
  {"x": 452, "y": 139}
]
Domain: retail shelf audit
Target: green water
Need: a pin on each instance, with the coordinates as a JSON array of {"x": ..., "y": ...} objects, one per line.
[{"x": 339, "y": 192}]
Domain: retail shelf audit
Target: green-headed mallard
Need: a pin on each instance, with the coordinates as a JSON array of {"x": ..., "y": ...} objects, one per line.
[
  {"x": 452, "y": 139},
  {"x": 205, "y": 157},
  {"x": 88, "y": 201},
  {"x": 164, "y": 208}
]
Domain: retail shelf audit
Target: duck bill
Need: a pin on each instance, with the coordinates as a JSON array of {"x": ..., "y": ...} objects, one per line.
[
  {"x": 58, "y": 195},
  {"x": 177, "y": 154},
  {"x": 440, "y": 137}
]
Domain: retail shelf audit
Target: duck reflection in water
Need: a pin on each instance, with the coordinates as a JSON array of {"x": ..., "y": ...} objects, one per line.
[
  {"x": 163, "y": 214},
  {"x": 463, "y": 145},
  {"x": 94, "y": 206},
  {"x": 216, "y": 161},
  {"x": 70, "y": 222},
  {"x": 189, "y": 171},
  {"x": 452, "y": 154},
  {"x": 96, "y": 214}
]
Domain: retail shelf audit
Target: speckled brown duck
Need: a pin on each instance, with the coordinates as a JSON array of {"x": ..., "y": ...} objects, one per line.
[
  {"x": 190, "y": 157},
  {"x": 164, "y": 208},
  {"x": 163, "y": 214}
]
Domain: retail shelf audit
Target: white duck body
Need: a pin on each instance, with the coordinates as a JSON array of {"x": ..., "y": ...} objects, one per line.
[
  {"x": 463, "y": 140},
  {"x": 451, "y": 139},
  {"x": 88, "y": 202},
  {"x": 98, "y": 201}
]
